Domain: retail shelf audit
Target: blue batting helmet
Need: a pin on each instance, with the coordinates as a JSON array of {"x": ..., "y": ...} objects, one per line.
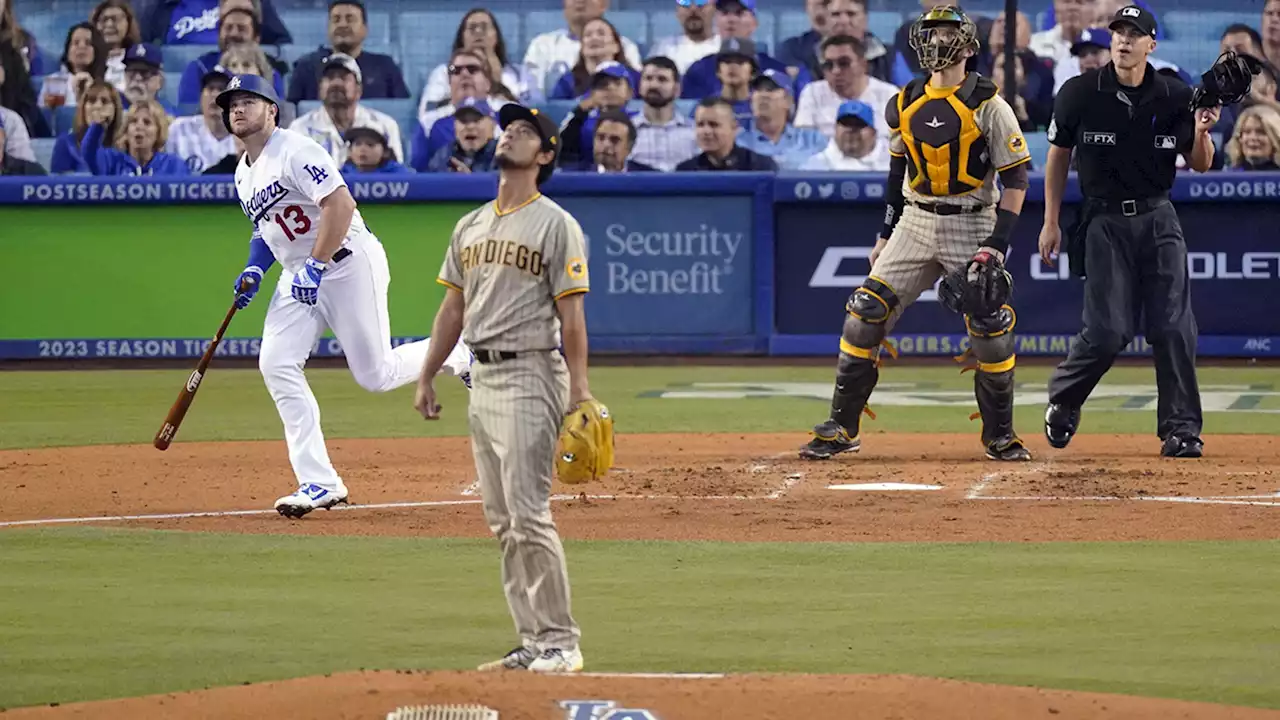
[{"x": 248, "y": 84}]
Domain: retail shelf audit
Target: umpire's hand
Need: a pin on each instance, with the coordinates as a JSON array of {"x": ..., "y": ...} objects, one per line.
[{"x": 1050, "y": 242}]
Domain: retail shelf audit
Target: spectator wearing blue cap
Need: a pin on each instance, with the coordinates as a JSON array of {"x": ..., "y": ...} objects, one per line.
[
  {"x": 348, "y": 29},
  {"x": 196, "y": 22},
  {"x": 368, "y": 154},
  {"x": 735, "y": 19},
  {"x": 340, "y": 88},
  {"x": 610, "y": 89},
  {"x": 469, "y": 77},
  {"x": 856, "y": 146},
  {"x": 239, "y": 26},
  {"x": 203, "y": 141},
  {"x": 771, "y": 132},
  {"x": 1090, "y": 51},
  {"x": 664, "y": 137},
  {"x": 144, "y": 76},
  {"x": 845, "y": 77},
  {"x": 832, "y": 18},
  {"x": 735, "y": 68},
  {"x": 474, "y": 144},
  {"x": 697, "y": 20},
  {"x": 139, "y": 145},
  {"x": 601, "y": 48},
  {"x": 717, "y": 133}
]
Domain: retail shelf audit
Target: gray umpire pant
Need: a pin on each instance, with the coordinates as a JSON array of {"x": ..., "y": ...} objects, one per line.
[{"x": 1136, "y": 266}]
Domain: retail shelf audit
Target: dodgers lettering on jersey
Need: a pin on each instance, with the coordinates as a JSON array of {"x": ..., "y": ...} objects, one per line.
[{"x": 281, "y": 192}]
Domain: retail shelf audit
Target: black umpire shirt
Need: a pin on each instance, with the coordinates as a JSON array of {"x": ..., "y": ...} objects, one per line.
[{"x": 1127, "y": 140}]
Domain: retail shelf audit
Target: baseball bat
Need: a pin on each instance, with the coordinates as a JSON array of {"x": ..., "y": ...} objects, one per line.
[{"x": 188, "y": 393}]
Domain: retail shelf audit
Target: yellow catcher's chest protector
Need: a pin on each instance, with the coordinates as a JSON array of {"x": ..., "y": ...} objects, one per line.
[{"x": 947, "y": 154}]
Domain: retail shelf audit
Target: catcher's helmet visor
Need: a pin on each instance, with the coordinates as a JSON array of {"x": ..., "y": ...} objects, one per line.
[{"x": 940, "y": 37}]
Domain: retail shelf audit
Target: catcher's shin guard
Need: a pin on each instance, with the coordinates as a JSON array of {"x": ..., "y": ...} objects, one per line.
[
  {"x": 865, "y": 325},
  {"x": 991, "y": 339}
]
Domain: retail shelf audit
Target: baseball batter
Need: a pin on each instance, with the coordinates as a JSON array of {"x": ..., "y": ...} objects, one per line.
[
  {"x": 516, "y": 273},
  {"x": 950, "y": 135},
  {"x": 334, "y": 275}
]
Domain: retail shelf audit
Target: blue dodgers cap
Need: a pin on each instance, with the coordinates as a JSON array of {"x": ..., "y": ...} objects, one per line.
[
  {"x": 217, "y": 72},
  {"x": 774, "y": 78},
  {"x": 856, "y": 109},
  {"x": 480, "y": 106},
  {"x": 724, "y": 5},
  {"x": 1091, "y": 37},
  {"x": 612, "y": 69},
  {"x": 144, "y": 54}
]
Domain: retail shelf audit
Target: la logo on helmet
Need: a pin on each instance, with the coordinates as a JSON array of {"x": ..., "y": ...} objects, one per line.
[{"x": 235, "y": 83}]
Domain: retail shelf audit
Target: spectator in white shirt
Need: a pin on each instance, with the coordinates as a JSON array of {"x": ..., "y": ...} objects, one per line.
[
  {"x": 1091, "y": 50},
  {"x": 844, "y": 72},
  {"x": 17, "y": 140},
  {"x": 857, "y": 147},
  {"x": 664, "y": 137},
  {"x": 601, "y": 46},
  {"x": 202, "y": 141},
  {"x": 699, "y": 39},
  {"x": 340, "y": 91},
  {"x": 552, "y": 54},
  {"x": 1072, "y": 17},
  {"x": 479, "y": 32},
  {"x": 84, "y": 59}
]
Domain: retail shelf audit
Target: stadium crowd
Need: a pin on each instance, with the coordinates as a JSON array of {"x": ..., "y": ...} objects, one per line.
[{"x": 709, "y": 98}]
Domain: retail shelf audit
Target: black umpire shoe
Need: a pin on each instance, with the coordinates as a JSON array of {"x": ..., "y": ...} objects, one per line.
[
  {"x": 1182, "y": 446},
  {"x": 829, "y": 439},
  {"x": 1060, "y": 424}
]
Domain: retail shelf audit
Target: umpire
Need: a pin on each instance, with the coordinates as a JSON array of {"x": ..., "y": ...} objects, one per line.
[{"x": 1128, "y": 124}]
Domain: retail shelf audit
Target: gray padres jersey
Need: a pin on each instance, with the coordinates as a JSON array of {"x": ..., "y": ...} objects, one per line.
[{"x": 511, "y": 267}]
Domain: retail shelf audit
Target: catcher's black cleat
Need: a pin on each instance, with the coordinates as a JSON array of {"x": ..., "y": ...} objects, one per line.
[
  {"x": 829, "y": 439},
  {"x": 1182, "y": 446},
  {"x": 1009, "y": 450},
  {"x": 1060, "y": 424}
]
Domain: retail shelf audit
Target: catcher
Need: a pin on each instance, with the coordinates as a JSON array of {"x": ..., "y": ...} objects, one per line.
[
  {"x": 516, "y": 276},
  {"x": 950, "y": 135}
]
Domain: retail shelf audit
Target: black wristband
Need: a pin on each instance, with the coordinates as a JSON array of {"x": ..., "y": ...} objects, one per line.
[
  {"x": 1005, "y": 220},
  {"x": 894, "y": 200}
]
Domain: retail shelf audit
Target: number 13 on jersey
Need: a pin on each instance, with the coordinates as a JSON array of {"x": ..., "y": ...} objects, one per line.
[{"x": 293, "y": 222}]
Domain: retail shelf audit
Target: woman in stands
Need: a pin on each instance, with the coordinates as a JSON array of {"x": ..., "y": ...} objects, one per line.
[
  {"x": 1255, "y": 144},
  {"x": 18, "y": 40},
  {"x": 84, "y": 60},
  {"x": 600, "y": 44},
  {"x": 119, "y": 28},
  {"x": 479, "y": 32},
  {"x": 99, "y": 103},
  {"x": 18, "y": 55},
  {"x": 138, "y": 146},
  {"x": 247, "y": 59}
]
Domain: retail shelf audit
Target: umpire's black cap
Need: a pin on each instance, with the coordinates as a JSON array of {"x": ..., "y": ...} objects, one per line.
[{"x": 547, "y": 130}]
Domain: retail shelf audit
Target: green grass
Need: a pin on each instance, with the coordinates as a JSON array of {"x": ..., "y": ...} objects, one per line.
[
  {"x": 127, "y": 406},
  {"x": 96, "y": 613}
]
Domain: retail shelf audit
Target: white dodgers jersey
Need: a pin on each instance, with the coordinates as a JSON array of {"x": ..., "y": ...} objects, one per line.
[{"x": 281, "y": 193}]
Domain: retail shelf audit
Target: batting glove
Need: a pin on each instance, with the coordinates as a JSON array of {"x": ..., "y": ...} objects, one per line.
[
  {"x": 306, "y": 284},
  {"x": 252, "y": 278}
]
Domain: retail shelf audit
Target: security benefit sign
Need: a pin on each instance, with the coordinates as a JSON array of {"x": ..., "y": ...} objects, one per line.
[
  {"x": 1233, "y": 261},
  {"x": 667, "y": 265}
]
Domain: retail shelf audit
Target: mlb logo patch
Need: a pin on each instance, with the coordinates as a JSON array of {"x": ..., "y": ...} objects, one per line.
[{"x": 1166, "y": 142}]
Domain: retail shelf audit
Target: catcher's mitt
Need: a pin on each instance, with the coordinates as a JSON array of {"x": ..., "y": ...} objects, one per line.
[
  {"x": 585, "y": 449},
  {"x": 979, "y": 289}
]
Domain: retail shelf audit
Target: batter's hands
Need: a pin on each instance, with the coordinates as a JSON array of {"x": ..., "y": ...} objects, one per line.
[
  {"x": 1206, "y": 118},
  {"x": 1050, "y": 243},
  {"x": 879, "y": 248},
  {"x": 252, "y": 278},
  {"x": 424, "y": 401},
  {"x": 306, "y": 284}
]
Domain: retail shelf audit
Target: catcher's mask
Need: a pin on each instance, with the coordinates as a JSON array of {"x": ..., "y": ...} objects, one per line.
[
  {"x": 1227, "y": 82},
  {"x": 940, "y": 36}
]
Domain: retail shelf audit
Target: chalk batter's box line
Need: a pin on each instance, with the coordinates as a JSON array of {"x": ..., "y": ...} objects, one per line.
[{"x": 975, "y": 492}]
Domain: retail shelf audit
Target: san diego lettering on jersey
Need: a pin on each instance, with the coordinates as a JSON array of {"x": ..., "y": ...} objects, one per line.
[
  {"x": 502, "y": 252},
  {"x": 263, "y": 200}
]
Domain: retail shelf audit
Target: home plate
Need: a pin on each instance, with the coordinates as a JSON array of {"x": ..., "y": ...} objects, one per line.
[{"x": 884, "y": 486}]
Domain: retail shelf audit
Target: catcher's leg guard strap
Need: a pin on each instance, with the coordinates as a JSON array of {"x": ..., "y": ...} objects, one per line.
[
  {"x": 856, "y": 372},
  {"x": 991, "y": 339}
]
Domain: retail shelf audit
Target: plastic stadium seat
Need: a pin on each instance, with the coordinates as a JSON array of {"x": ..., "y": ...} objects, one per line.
[
  {"x": 178, "y": 57},
  {"x": 43, "y": 148},
  {"x": 1038, "y": 146},
  {"x": 792, "y": 23},
  {"x": 884, "y": 24},
  {"x": 1192, "y": 56},
  {"x": 767, "y": 30},
  {"x": 170, "y": 90},
  {"x": 50, "y": 31},
  {"x": 558, "y": 110},
  {"x": 1203, "y": 24},
  {"x": 633, "y": 24},
  {"x": 425, "y": 40},
  {"x": 537, "y": 22}
]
